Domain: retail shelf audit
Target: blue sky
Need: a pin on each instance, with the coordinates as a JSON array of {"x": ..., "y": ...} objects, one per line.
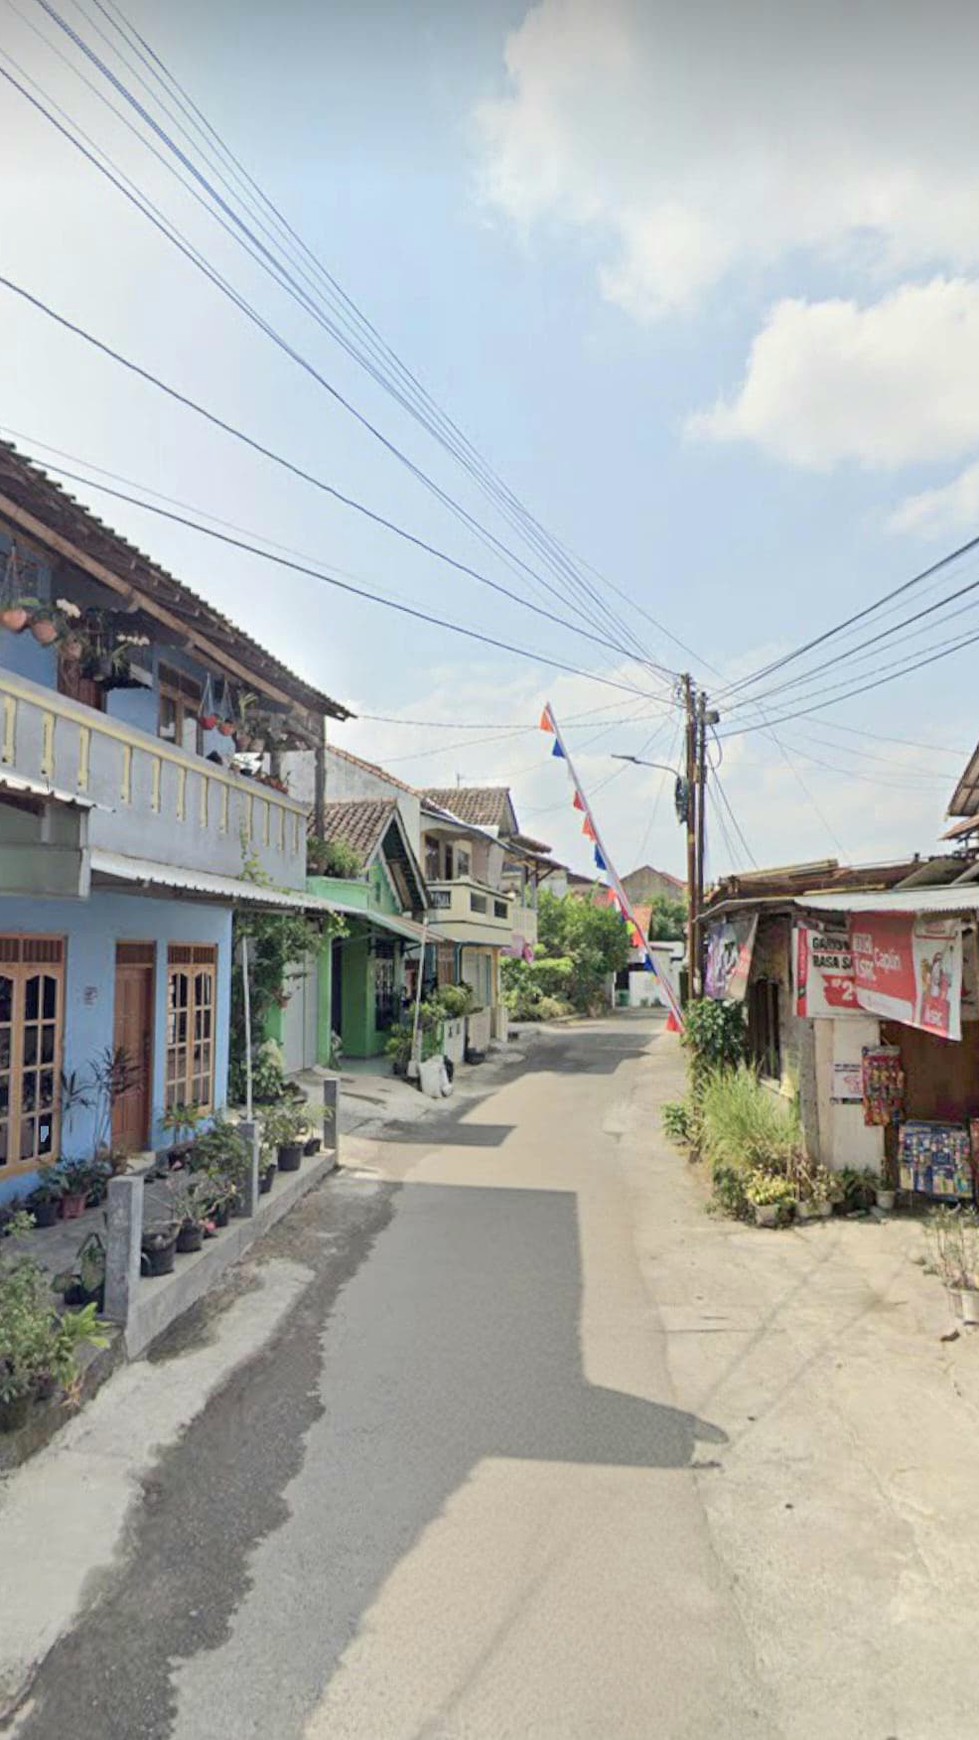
[{"x": 703, "y": 292}]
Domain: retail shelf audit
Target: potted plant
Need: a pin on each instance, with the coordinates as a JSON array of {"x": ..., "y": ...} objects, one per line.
[
  {"x": 954, "y": 1237},
  {"x": 770, "y": 1195},
  {"x": 266, "y": 1168},
  {"x": 282, "y": 1129},
  {"x": 159, "y": 1247},
  {"x": 191, "y": 1205},
  {"x": 884, "y": 1190},
  {"x": 44, "y": 1201},
  {"x": 38, "y": 1344},
  {"x": 76, "y": 1178},
  {"x": 180, "y": 1122},
  {"x": 85, "y": 1283}
]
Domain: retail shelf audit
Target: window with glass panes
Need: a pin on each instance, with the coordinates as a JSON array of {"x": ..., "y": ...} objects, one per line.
[
  {"x": 31, "y": 1031},
  {"x": 191, "y": 997}
]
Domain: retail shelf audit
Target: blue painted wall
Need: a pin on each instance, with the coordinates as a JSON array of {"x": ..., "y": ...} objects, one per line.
[{"x": 92, "y": 928}]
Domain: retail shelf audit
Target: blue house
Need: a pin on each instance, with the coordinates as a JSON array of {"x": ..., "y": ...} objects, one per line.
[{"x": 127, "y": 818}]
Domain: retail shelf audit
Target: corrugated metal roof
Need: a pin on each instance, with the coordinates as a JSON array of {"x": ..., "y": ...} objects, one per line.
[
  {"x": 230, "y": 888},
  {"x": 37, "y": 788},
  {"x": 239, "y": 891},
  {"x": 952, "y": 899}
]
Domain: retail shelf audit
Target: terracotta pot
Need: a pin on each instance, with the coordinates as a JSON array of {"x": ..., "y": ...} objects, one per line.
[
  {"x": 45, "y": 631},
  {"x": 209, "y": 721},
  {"x": 14, "y": 619}
]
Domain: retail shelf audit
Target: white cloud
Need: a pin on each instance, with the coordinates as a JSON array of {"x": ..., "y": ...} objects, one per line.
[
  {"x": 939, "y": 513},
  {"x": 886, "y": 385},
  {"x": 686, "y": 142}
]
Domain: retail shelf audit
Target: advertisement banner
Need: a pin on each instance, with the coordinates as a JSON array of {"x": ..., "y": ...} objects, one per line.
[
  {"x": 824, "y": 971},
  {"x": 908, "y": 968},
  {"x": 730, "y": 944}
]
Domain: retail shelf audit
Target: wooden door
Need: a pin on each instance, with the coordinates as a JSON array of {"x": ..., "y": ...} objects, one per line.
[{"x": 134, "y": 1035}]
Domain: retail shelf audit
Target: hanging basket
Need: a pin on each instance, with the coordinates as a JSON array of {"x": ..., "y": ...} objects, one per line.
[{"x": 208, "y": 715}]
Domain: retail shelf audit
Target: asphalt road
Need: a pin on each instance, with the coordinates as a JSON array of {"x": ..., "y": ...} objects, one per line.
[{"x": 452, "y": 1498}]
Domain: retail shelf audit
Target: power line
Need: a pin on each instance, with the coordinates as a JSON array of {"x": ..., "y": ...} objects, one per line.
[
  {"x": 297, "y": 471},
  {"x": 874, "y": 640},
  {"x": 270, "y": 263},
  {"x": 345, "y": 585},
  {"x": 858, "y": 616}
]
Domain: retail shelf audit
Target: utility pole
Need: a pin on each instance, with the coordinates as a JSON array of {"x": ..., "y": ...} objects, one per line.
[
  {"x": 693, "y": 800},
  {"x": 701, "y": 831}
]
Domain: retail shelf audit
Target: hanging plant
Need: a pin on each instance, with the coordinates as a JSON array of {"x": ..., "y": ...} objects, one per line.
[
  {"x": 226, "y": 724},
  {"x": 208, "y": 712},
  {"x": 15, "y": 611}
]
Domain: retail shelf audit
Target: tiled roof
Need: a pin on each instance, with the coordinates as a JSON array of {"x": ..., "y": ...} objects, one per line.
[
  {"x": 361, "y": 824},
  {"x": 30, "y": 489},
  {"x": 485, "y": 806}
]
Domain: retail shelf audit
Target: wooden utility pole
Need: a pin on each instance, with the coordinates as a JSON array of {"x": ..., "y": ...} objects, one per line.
[
  {"x": 693, "y": 907},
  {"x": 701, "y": 832}
]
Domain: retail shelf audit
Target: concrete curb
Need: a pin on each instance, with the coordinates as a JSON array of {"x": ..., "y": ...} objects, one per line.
[{"x": 161, "y": 1301}]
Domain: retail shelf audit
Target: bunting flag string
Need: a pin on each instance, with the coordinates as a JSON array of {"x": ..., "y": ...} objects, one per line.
[{"x": 613, "y": 894}]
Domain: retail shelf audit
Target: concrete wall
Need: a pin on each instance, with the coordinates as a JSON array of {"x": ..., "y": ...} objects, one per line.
[
  {"x": 347, "y": 781},
  {"x": 92, "y": 929}
]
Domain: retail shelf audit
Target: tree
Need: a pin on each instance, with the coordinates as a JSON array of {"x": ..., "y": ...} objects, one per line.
[
  {"x": 667, "y": 919},
  {"x": 590, "y": 942}
]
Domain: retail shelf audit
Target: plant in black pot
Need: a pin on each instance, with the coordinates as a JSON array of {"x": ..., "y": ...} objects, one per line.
[
  {"x": 181, "y": 1123},
  {"x": 160, "y": 1234},
  {"x": 44, "y": 1201},
  {"x": 283, "y": 1128},
  {"x": 85, "y": 1283},
  {"x": 192, "y": 1201},
  {"x": 267, "y": 1166}
]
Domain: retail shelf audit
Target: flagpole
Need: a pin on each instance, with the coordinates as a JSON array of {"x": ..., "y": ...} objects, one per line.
[{"x": 550, "y": 724}]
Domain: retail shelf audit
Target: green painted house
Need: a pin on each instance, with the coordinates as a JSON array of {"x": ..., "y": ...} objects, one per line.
[{"x": 366, "y": 978}]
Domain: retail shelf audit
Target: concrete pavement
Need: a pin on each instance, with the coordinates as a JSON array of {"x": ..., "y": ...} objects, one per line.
[{"x": 503, "y": 1436}]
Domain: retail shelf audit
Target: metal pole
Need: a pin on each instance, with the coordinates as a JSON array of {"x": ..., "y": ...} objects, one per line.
[
  {"x": 247, "y": 993},
  {"x": 692, "y": 801},
  {"x": 415, "y": 1059}
]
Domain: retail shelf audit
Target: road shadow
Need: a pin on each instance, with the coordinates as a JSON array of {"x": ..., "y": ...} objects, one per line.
[{"x": 443, "y": 1331}]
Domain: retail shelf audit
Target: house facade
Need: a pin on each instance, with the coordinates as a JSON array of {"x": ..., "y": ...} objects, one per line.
[
  {"x": 129, "y": 832},
  {"x": 866, "y": 1072}
]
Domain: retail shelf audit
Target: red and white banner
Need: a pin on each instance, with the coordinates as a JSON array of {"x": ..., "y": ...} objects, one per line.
[
  {"x": 908, "y": 968},
  {"x": 824, "y": 971}
]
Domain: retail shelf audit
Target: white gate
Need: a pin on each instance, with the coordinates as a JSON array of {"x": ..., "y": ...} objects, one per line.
[{"x": 300, "y": 1018}]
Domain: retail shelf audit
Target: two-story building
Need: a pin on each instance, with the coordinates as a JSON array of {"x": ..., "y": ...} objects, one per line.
[{"x": 129, "y": 833}]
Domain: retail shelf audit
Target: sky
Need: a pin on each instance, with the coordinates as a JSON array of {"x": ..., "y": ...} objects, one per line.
[{"x": 699, "y": 284}]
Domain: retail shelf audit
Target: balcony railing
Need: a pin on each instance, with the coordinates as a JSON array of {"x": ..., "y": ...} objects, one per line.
[
  {"x": 153, "y": 799},
  {"x": 472, "y": 911}
]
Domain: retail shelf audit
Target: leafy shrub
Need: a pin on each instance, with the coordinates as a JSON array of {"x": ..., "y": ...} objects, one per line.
[
  {"x": 716, "y": 1036},
  {"x": 333, "y": 858},
  {"x": 746, "y": 1131},
  {"x": 455, "y": 1001},
  {"x": 38, "y": 1344},
  {"x": 678, "y": 1122}
]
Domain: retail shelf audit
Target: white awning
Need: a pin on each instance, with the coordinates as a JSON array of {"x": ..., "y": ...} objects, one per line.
[
  {"x": 957, "y": 897},
  {"x": 147, "y": 873},
  {"x": 37, "y": 788}
]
